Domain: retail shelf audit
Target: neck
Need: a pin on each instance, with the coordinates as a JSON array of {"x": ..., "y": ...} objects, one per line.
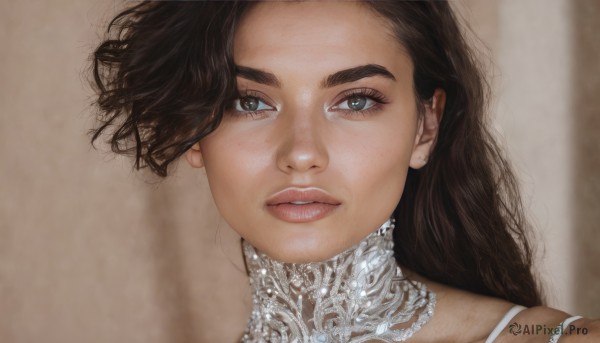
[{"x": 356, "y": 296}]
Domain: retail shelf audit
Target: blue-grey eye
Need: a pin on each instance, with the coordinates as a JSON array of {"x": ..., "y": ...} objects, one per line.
[
  {"x": 356, "y": 103},
  {"x": 361, "y": 101}
]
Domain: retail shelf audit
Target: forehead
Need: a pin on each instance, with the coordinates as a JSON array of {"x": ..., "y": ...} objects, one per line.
[{"x": 316, "y": 35}]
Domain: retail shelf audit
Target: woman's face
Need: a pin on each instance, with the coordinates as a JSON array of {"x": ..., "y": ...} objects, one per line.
[{"x": 314, "y": 155}]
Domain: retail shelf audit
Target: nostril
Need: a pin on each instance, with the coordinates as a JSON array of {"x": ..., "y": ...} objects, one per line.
[
  {"x": 299, "y": 167},
  {"x": 301, "y": 154}
]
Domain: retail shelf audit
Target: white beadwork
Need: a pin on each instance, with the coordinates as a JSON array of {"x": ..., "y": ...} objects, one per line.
[{"x": 356, "y": 296}]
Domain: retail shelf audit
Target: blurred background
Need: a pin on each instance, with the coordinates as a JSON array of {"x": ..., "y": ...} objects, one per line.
[{"x": 91, "y": 252}]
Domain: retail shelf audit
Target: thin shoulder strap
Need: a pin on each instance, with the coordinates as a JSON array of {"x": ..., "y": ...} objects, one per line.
[
  {"x": 565, "y": 324},
  {"x": 503, "y": 322}
]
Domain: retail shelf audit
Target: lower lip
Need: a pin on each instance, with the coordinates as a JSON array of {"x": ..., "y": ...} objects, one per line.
[{"x": 301, "y": 213}]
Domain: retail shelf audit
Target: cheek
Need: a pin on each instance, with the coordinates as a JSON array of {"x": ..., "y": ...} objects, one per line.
[
  {"x": 376, "y": 163},
  {"x": 381, "y": 148},
  {"x": 233, "y": 163}
]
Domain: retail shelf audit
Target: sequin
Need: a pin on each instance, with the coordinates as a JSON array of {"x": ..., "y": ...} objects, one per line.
[{"x": 357, "y": 296}]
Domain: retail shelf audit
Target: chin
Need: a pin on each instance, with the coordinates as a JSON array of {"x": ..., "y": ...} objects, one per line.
[{"x": 302, "y": 242}]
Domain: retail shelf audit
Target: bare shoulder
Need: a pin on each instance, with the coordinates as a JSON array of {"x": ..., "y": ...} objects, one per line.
[
  {"x": 460, "y": 316},
  {"x": 538, "y": 324}
]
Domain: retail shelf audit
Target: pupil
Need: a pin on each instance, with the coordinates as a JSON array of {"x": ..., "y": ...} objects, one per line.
[
  {"x": 249, "y": 104},
  {"x": 357, "y": 103}
]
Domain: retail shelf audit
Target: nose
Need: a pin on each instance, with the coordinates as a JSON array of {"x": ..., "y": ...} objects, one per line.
[{"x": 302, "y": 145}]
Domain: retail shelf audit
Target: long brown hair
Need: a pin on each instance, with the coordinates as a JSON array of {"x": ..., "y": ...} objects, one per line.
[
  {"x": 460, "y": 218},
  {"x": 165, "y": 74}
]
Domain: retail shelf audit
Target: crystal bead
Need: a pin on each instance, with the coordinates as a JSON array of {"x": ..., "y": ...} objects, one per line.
[
  {"x": 320, "y": 337},
  {"x": 356, "y": 296}
]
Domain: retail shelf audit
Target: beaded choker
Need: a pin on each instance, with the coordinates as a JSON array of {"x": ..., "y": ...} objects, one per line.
[{"x": 357, "y": 296}]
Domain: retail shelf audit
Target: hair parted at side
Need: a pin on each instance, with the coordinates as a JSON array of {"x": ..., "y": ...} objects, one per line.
[{"x": 165, "y": 75}]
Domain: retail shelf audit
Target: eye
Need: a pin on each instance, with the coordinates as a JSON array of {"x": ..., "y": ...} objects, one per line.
[
  {"x": 250, "y": 104},
  {"x": 361, "y": 101},
  {"x": 356, "y": 103}
]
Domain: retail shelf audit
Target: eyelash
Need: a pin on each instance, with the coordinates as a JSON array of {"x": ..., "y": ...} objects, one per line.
[
  {"x": 368, "y": 93},
  {"x": 247, "y": 94}
]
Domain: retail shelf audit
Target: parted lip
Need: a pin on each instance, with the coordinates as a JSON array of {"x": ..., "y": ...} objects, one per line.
[{"x": 290, "y": 195}]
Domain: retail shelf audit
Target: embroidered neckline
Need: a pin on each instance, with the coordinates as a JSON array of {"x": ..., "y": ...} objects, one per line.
[{"x": 356, "y": 296}]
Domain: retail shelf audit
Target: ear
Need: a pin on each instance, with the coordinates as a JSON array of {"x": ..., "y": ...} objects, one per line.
[
  {"x": 427, "y": 129},
  {"x": 194, "y": 156}
]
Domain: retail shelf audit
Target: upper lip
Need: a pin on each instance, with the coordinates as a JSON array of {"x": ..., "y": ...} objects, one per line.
[{"x": 289, "y": 195}]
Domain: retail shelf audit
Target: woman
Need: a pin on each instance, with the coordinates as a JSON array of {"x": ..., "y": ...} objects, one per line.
[{"x": 346, "y": 143}]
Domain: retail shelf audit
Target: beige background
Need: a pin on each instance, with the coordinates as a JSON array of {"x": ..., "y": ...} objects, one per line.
[{"x": 90, "y": 252}]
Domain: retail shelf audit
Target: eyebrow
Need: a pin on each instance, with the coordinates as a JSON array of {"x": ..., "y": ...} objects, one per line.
[{"x": 337, "y": 78}]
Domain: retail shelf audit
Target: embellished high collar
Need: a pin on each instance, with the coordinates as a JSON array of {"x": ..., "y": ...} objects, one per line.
[{"x": 357, "y": 296}]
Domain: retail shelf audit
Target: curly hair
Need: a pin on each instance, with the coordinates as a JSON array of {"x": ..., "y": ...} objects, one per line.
[{"x": 165, "y": 75}]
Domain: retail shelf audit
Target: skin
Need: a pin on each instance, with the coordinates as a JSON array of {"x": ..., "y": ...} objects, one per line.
[
  {"x": 301, "y": 137},
  {"x": 304, "y": 140}
]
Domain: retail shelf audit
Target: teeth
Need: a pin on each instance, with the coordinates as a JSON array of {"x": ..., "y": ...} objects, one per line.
[{"x": 301, "y": 202}]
